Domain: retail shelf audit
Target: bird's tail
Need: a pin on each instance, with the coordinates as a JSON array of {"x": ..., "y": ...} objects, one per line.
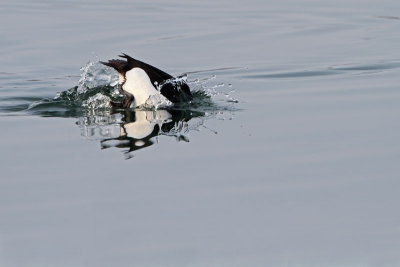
[{"x": 119, "y": 65}]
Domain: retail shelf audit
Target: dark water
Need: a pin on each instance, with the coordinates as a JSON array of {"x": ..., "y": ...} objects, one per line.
[{"x": 301, "y": 171}]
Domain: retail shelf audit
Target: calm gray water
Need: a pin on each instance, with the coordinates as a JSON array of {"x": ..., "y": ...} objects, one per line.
[{"x": 302, "y": 171}]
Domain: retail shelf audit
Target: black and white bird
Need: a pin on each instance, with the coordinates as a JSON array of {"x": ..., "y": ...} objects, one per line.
[{"x": 138, "y": 81}]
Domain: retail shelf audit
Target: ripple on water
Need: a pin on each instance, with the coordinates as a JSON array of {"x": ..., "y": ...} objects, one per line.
[{"x": 340, "y": 69}]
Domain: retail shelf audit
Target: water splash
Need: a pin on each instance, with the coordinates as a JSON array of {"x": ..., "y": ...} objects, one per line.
[
  {"x": 156, "y": 102},
  {"x": 216, "y": 91},
  {"x": 96, "y": 88},
  {"x": 93, "y": 75},
  {"x": 98, "y": 101},
  {"x": 98, "y": 85},
  {"x": 177, "y": 82}
]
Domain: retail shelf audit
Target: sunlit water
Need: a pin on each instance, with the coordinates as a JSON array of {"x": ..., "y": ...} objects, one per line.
[{"x": 287, "y": 157}]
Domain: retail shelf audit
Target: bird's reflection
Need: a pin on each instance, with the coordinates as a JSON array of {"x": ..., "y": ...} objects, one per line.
[{"x": 132, "y": 130}]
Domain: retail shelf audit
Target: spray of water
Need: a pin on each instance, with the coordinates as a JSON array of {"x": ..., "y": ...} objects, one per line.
[{"x": 97, "y": 86}]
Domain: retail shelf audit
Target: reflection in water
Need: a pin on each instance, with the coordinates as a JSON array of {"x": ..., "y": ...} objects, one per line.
[
  {"x": 133, "y": 130},
  {"x": 130, "y": 130}
]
